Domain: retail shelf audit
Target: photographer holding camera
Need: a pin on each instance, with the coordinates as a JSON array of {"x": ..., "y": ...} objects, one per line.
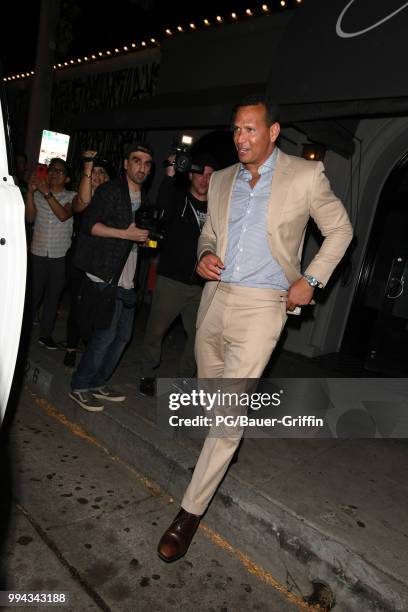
[
  {"x": 107, "y": 252},
  {"x": 178, "y": 288}
]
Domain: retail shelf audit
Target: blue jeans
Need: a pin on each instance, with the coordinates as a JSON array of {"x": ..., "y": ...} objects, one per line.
[{"x": 106, "y": 346}]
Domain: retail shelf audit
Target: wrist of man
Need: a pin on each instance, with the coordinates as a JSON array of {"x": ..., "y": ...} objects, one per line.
[
  {"x": 48, "y": 195},
  {"x": 204, "y": 253},
  {"x": 312, "y": 281}
]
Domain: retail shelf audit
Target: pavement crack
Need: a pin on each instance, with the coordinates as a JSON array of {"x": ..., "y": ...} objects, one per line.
[{"x": 76, "y": 575}]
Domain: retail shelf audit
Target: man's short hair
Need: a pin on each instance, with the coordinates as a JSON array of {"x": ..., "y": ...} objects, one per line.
[
  {"x": 271, "y": 107},
  {"x": 59, "y": 161},
  {"x": 138, "y": 145}
]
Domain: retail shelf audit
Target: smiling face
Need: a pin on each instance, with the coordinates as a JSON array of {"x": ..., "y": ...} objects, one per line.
[
  {"x": 138, "y": 167},
  {"x": 253, "y": 137}
]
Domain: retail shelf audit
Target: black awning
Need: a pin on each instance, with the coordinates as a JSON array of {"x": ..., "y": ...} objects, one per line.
[
  {"x": 314, "y": 111},
  {"x": 332, "y": 61},
  {"x": 342, "y": 58}
]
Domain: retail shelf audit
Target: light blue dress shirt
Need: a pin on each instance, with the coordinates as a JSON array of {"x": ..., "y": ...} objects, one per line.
[{"x": 248, "y": 260}]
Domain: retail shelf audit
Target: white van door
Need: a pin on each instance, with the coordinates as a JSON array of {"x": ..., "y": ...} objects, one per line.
[{"x": 13, "y": 264}]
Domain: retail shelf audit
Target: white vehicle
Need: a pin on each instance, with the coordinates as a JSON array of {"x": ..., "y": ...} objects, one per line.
[{"x": 13, "y": 264}]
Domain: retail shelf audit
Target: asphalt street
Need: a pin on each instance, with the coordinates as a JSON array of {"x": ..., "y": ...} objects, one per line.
[{"x": 85, "y": 524}]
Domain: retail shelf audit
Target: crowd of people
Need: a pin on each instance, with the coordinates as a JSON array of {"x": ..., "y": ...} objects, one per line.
[
  {"x": 230, "y": 268},
  {"x": 87, "y": 240}
]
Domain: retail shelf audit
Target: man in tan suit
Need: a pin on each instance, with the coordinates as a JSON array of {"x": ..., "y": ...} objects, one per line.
[{"x": 250, "y": 254}]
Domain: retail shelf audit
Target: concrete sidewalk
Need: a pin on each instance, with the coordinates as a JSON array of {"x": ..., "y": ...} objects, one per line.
[{"x": 323, "y": 510}]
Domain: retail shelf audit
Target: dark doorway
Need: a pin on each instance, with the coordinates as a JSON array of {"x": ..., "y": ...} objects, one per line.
[
  {"x": 377, "y": 331},
  {"x": 221, "y": 146}
]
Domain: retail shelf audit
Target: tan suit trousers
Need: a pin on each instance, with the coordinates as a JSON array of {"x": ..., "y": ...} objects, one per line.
[{"x": 234, "y": 341}]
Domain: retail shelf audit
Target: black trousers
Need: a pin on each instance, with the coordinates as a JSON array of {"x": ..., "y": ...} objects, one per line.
[
  {"x": 74, "y": 281},
  {"x": 48, "y": 280}
]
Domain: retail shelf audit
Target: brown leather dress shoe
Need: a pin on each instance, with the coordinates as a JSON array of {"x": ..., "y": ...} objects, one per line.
[{"x": 176, "y": 540}]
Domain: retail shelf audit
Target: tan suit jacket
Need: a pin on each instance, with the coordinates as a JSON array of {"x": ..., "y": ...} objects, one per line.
[{"x": 300, "y": 190}]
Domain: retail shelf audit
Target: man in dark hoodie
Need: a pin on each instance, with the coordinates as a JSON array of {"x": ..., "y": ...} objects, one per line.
[
  {"x": 107, "y": 252},
  {"x": 178, "y": 289}
]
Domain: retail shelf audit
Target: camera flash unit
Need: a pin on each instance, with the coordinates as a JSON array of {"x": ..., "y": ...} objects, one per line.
[{"x": 187, "y": 140}]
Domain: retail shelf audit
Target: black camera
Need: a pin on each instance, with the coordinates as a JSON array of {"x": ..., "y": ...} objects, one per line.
[
  {"x": 183, "y": 161},
  {"x": 100, "y": 162},
  {"x": 148, "y": 219}
]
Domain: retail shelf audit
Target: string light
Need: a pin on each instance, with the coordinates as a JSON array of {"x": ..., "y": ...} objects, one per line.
[{"x": 125, "y": 48}]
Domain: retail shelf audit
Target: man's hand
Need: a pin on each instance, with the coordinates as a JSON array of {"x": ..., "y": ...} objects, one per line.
[
  {"x": 170, "y": 171},
  {"x": 35, "y": 183},
  {"x": 136, "y": 234},
  {"x": 43, "y": 186},
  {"x": 32, "y": 183},
  {"x": 299, "y": 294},
  {"x": 210, "y": 266},
  {"x": 89, "y": 154}
]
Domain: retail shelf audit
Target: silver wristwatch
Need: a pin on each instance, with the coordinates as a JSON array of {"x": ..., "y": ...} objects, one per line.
[{"x": 312, "y": 280}]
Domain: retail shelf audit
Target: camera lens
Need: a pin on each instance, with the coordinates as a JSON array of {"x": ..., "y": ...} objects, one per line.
[{"x": 182, "y": 162}]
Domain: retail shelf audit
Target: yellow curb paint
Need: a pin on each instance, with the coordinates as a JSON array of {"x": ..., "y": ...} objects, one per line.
[
  {"x": 255, "y": 569},
  {"x": 250, "y": 566},
  {"x": 81, "y": 433}
]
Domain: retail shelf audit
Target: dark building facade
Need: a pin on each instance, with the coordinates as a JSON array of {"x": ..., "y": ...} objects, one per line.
[{"x": 336, "y": 70}]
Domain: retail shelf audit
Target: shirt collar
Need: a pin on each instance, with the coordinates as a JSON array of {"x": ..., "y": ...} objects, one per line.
[{"x": 267, "y": 166}]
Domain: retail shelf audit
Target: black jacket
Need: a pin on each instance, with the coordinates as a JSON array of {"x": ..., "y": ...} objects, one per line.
[
  {"x": 178, "y": 253},
  {"x": 106, "y": 257}
]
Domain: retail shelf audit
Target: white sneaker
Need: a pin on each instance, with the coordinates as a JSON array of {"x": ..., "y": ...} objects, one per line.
[
  {"x": 107, "y": 393},
  {"x": 86, "y": 400}
]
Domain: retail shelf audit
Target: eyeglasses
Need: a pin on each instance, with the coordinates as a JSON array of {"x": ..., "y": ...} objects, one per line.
[{"x": 56, "y": 170}]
